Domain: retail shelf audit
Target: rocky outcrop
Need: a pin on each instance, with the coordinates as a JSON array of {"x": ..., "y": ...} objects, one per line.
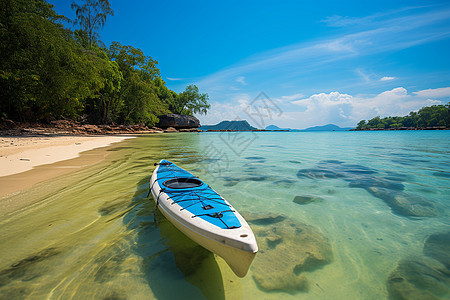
[
  {"x": 178, "y": 121},
  {"x": 69, "y": 127}
]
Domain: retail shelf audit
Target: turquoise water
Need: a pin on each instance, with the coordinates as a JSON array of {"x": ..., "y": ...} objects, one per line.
[{"x": 337, "y": 215}]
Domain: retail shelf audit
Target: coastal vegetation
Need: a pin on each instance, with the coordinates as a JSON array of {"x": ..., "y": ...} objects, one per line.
[
  {"x": 427, "y": 117},
  {"x": 49, "y": 71}
]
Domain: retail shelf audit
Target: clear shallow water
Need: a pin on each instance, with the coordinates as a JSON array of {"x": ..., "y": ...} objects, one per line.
[{"x": 337, "y": 215}]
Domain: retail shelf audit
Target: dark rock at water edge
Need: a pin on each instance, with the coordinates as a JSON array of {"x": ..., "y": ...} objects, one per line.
[
  {"x": 178, "y": 121},
  {"x": 437, "y": 246},
  {"x": 70, "y": 127}
]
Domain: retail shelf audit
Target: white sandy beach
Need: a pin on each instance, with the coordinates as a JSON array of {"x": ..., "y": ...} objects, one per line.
[
  {"x": 26, "y": 161},
  {"x": 20, "y": 154}
]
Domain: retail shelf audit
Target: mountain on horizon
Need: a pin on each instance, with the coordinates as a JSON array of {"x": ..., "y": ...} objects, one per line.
[
  {"x": 229, "y": 125},
  {"x": 328, "y": 127},
  {"x": 274, "y": 128}
]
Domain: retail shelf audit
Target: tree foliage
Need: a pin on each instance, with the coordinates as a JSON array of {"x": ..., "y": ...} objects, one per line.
[
  {"x": 91, "y": 16},
  {"x": 191, "y": 101},
  {"x": 43, "y": 73},
  {"x": 428, "y": 116},
  {"x": 49, "y": 72}
]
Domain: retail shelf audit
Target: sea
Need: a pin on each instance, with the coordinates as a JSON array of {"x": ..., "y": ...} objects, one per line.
[{"x": 337, "y": 215}]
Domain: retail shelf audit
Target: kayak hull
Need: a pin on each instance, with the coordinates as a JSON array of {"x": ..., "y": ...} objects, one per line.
[{"x": 237, "y": 246}]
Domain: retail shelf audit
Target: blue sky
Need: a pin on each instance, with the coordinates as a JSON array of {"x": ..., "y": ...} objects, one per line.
[{"x": 317, "y": 62}]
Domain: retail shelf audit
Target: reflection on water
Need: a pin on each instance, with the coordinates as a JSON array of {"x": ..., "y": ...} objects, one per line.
[{"x": 336, "y": 215}]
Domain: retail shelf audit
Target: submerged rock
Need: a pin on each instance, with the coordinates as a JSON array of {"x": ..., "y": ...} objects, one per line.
[
  {"x": 371, "y": 181},
  {"x": 389, "y": 188},
  {"x": 442, "y": 174},
  {"x": 230, "y": 181},
  {"x": 437, "y": 246},
  {"x": 318, "y": 174},
  {"x": 306, "y": 199},
  {"x": 262, "y": 159},
  {"x": 294, "y": 162},
  {"x": 263, "y": 220},
  {"x": 349, "y": 169},
  {"x": 419, "y": 279},
  {"x": 285, "y": 183},
  {"x": 405, "y": 204},
  {"x": 288, "y": 250},
  {"x": 256, "y": 178},
  {"x": 28, "y": 268}
]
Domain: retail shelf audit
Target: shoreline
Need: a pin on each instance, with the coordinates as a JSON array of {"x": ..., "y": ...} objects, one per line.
[{"x": 28, "y": 160}]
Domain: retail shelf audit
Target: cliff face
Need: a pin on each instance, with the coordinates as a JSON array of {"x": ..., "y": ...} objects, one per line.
[{"x": 177, "y": 121}]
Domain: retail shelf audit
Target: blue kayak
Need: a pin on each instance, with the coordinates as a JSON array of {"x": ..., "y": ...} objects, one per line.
[{"x": 203, "y": 215}]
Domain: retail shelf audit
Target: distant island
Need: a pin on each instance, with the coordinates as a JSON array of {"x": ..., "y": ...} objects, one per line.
[
  {"x": 328, "y": 127},
  {"x": 229, "y": 126},
  {"x": 243, "y": 125},
  {"x": 276, "y": 128},
  {"x": 427, "y": 118}
]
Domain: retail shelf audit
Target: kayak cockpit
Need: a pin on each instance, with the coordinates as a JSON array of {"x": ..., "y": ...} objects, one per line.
[{"x": 182, "y": 183}]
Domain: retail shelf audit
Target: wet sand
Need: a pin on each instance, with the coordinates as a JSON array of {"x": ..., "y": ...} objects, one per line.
[{"x": 26, "y": 161}]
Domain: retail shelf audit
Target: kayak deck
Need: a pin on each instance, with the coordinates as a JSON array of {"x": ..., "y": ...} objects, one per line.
[{"x": 200, "y": 200}]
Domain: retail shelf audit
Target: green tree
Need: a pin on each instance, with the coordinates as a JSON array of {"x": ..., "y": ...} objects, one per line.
[
  {"x": 374, "y": 122},
  {"x": 428, "y": 116},
  {"x": 139, "y": 92},
  {"x": 361, "y": 124},
  {"x": 166, "y": 95},
  {"x": 191, "y": 101},
  {"x": 91, "y": 16},
  {"x": 431, "y": 116},
  {"x": 44, "y": 74}
]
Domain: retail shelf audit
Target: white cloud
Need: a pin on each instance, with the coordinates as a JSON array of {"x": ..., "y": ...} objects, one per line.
[
  {"x": 344, "y": 21},
  {"x": 386, "y": 78},
  {"x": 230, "y": 110},
  {"x": 363, "y": 74},
  {"x": 173, "y": 79},
  {"x": 347, "y": 110},
  {"x": 241, "y": 80},
  {"x": 437, "y": 93},
  {"x": 292, "y": 97}
]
